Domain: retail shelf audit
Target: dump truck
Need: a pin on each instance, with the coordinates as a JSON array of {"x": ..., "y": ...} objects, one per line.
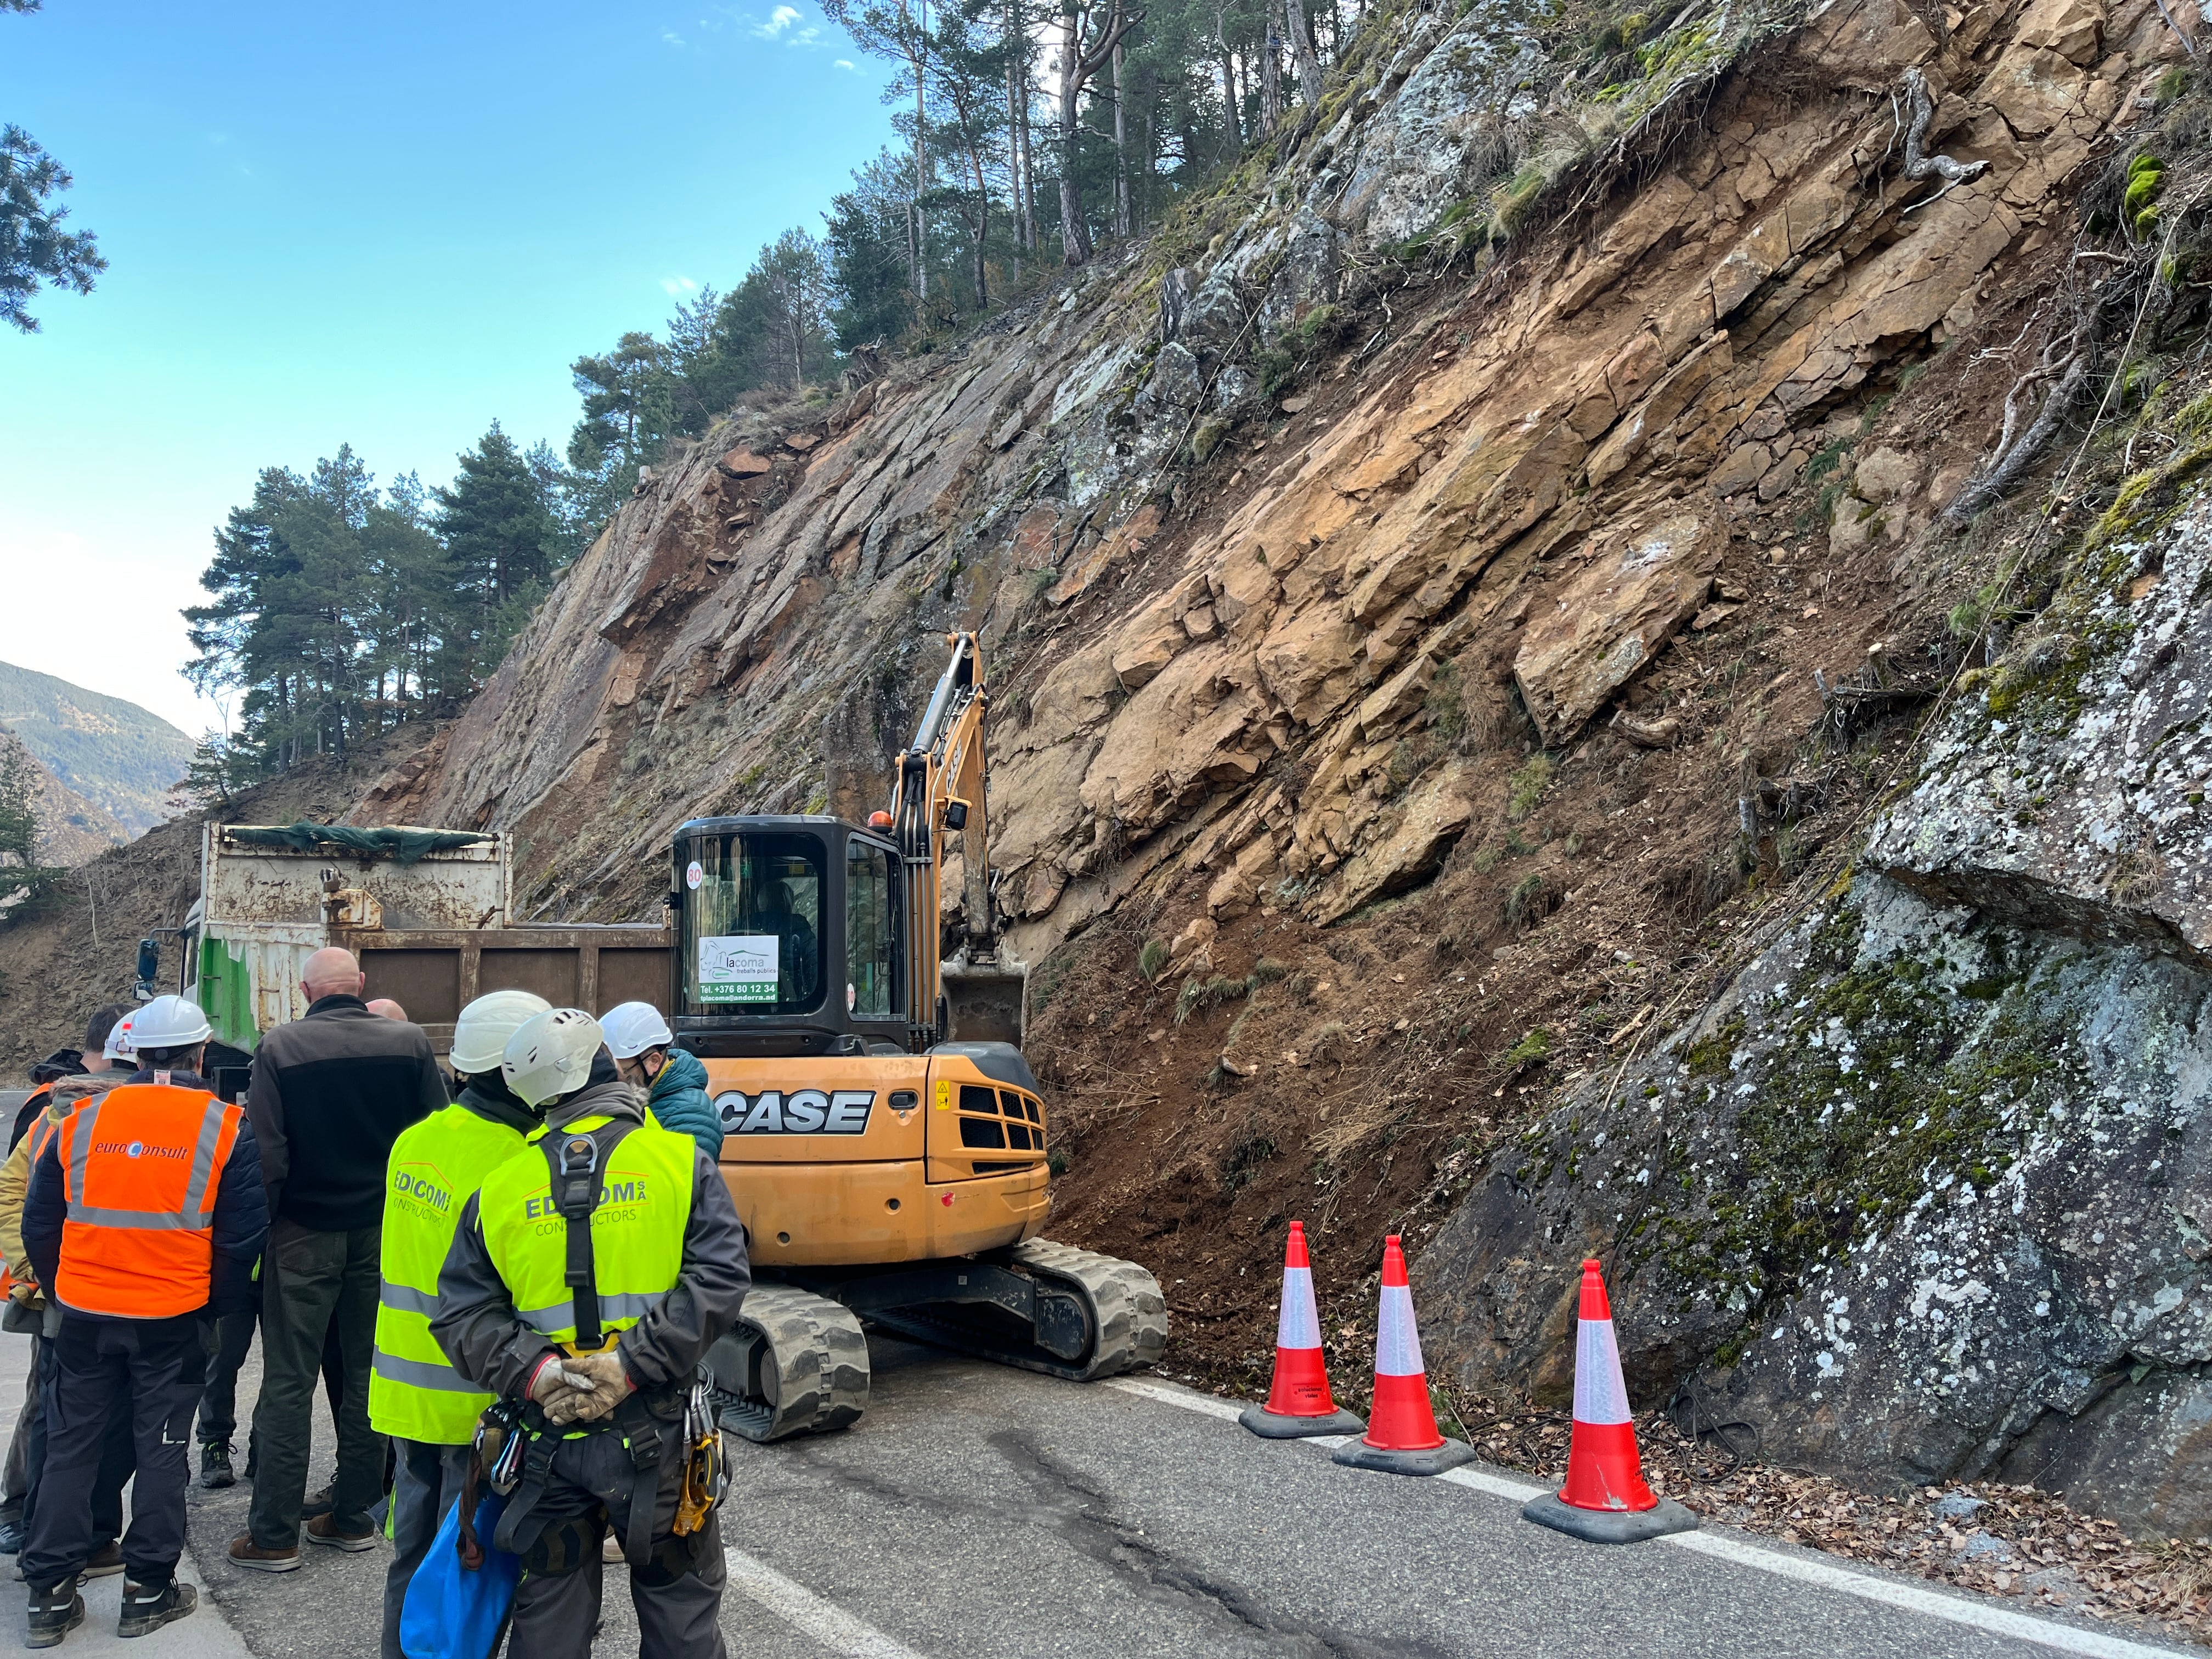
[
  {"x": 886, "y": 1142},
  {"x": 427, "y": 912}
]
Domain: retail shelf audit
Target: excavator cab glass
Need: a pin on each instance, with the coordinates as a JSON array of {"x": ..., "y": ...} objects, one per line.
[{"x": 787, "y": 937}]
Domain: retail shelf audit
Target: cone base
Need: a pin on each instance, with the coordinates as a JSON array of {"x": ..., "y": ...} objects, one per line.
[
  {"x": 1431, "y": 1460},
  {"x": 1610, "y": 1526},
  {"x": 1274, "y": 1426}
]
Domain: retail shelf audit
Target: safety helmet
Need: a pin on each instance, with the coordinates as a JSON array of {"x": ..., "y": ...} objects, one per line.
[
  {"x": 169, "y": 1023},
  {"x": 480, "y": 1034},
  {"x": 634, "y": 1027},
  {"x": 119, "y": 1045},
  {"x": 551, "y": 1055}
]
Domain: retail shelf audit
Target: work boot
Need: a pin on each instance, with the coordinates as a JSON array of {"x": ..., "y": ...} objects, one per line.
[
  {"x": 106, "y": 1561},
  {"x": 245, "y": 1552},
  {"x": 11, "y": 1537},
  {"x": 55, "y": 1612},
  {"x": 319, "y": 1503},
  {"x": 215, "y": 1465},
  {"x": 325, "y": 1529},
  {"x": 147, "y": 1607}
]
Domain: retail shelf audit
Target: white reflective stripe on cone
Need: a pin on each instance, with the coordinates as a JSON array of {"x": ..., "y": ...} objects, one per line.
[
  {"x": 1600, "y": 1395},
  {"x": 1397, "y": 1344},
  {"x": 1299, "y": 1325}
]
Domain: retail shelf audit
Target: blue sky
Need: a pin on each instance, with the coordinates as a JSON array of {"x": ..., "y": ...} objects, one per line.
[{"x": 381, "y": 225}]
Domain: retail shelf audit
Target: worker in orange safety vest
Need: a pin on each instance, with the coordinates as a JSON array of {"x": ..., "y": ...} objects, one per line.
[{"x": 144, "y": 1221}]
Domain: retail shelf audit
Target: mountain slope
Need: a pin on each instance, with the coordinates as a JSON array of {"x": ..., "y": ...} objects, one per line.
[
  {"x": 76, "y": 829},
  {"x": 113, "y": 753},
  {"x": 1462, "y": 595}
]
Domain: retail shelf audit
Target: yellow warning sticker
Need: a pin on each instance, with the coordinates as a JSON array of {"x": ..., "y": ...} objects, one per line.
[{"x": 944, "y": 1095}]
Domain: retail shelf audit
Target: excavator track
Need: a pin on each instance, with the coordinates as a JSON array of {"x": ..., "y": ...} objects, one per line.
[
  {"x": 797, "y": 1363},
  {"x": 1125, "y": 1316}
]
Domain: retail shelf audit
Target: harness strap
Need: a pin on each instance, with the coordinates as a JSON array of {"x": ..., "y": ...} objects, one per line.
[
  {"x": 642, "y": 1438},
  {"x": 536, "y": 1475},
  {"x": 575, "y": 1160}
]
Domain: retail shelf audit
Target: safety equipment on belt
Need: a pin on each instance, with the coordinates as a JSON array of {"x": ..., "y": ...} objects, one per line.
[
  {"x": 413, "y": 1390},
  {"x": 626, "y": 1252},
  {"x": 141, "y": 1167},
  {"x": 549, "y": 1056},
  {"x": 119, "y": 1045},
  {"x": 706, "y": 1476},
  {"x": 170, "y": 1022},
  {"x": 631, "y": 1027},
  {"x": 481, "y": 1033}
]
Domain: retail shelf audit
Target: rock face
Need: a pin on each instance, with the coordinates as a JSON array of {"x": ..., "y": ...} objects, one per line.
[
  {"x": 1250, "y": 654},
  {"x": 1925, "y": 1193}
]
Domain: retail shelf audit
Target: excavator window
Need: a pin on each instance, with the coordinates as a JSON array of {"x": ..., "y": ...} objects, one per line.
[
  {"x": 754, "y": 914},
  {"x": 871, "y": 930}
]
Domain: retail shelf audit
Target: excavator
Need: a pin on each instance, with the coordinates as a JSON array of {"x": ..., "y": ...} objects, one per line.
[{"x": 886, "y": 1142}]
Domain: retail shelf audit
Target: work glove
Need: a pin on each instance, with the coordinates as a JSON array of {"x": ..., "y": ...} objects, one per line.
[
  {"x": 605, "y": 1380},
  {"x": 559, "y": 1391}
]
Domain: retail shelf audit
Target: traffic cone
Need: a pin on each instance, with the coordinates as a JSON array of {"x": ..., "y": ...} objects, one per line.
[
  {"x": 1402, "y": 1437},
  {"x": 1605, "y": 1499},
  {"x": 1299, "y": 1402}
]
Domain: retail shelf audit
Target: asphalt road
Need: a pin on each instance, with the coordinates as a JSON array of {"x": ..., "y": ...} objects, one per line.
[{"x": 984, "y": 1513}]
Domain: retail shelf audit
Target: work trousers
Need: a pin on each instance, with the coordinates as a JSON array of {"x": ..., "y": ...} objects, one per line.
[
  {"x": 310, "y": 1282},
  {"x": 15, "y": 1479},
  {"x": 159, "y": 1366},
  {"x": 117, "y": 1453},
  {"x": 219, "y": 1407},
  {"x": 426, "y": 1483},
  {"x": 678, "y": 1594}
]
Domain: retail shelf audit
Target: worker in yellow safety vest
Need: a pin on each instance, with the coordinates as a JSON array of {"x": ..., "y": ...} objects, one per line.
[
  {"x": 588, "y": 1277},
  {"x": 413, "y": 1395}
]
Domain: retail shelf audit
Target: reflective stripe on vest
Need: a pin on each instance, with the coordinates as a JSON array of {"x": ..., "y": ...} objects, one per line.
[
  {"x": 637, "y": 1230},
  {"x": 141, "y": 1165},
  {"x": 413, "y": 1389},
  {"x": 40, "y": 1134}
]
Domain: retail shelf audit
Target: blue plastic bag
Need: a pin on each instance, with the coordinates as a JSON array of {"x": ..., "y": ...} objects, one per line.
[{"x": 450, "y": 1612}]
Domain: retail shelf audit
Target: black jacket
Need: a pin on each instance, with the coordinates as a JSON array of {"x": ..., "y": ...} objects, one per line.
[
  {"x": 329, "y": 1094},
  {"x": 241, "y": 1216},
  {"x": 476, "y": 1323}
]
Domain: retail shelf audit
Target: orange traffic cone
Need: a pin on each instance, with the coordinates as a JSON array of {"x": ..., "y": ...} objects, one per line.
[
  {"x": 1605, "y": 1499},
  {"x": 1402, "y": 1437},
  {"x": 1298, "y": 1403}
]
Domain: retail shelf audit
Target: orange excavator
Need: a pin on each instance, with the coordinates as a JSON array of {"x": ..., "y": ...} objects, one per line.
[{"x": 886, "y": 1143}]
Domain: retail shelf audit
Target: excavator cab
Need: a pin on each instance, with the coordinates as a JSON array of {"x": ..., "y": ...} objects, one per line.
[{"x": 790, "y": 939}]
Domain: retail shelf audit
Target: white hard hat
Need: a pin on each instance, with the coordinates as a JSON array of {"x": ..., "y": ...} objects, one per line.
[
  {"x": 551, "y": 1055},
  {"x": 632, "y": 1028},
  {"x": 119, "y": 1045},
  {"x": 169, "y": 1023},
  {"x": 480, "y": 1034}
]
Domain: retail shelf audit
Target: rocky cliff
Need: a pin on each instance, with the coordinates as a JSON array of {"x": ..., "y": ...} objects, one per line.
[{"x": 1455, "y": 600}]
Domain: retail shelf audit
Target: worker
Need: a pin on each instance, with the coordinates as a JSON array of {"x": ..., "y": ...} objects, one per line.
[
  {"x": 413, "y": 1395},
  {"x": 145, "y": 1216},
  {"x": 87, "y": 1071},
  {"x": 601, "y": 1362},
  {"x": 646, "y": 1055},
  {"x": 329, "y": 1094},
  {"x": 385, "y": 1008}
]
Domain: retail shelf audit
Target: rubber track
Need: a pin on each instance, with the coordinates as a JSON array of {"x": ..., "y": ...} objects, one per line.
[
  {"x": 820, "y": 1359},
  {"x": 1127, "y": 1312}
]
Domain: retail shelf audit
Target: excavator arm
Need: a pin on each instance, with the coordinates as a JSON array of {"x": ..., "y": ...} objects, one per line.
[{"x": 941, "y": 809}]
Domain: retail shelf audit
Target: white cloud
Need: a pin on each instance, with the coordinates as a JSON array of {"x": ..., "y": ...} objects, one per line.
[
  {"x": 672, "y": 38},
  {"x": 778, "y": 21},
  {"x": 676, "y": 285},
  {"x": 806, "y": 37},
  {"x": 846, "y": 64}
]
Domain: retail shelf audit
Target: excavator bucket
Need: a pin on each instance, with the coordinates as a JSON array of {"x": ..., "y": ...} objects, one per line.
[{"x": 985, "y": 1001}]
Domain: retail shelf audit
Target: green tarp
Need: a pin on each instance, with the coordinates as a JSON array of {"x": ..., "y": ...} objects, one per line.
[
  {"x": 402, "y": 846},
  {"x": 225, "y": 993}
]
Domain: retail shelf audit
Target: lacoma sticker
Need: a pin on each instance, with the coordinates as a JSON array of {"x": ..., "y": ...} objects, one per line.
[{"x": 803, "y": 1112}]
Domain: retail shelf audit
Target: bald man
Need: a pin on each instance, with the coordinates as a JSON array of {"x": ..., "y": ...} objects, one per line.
[
  {"x": 330, "y": 1094},
  {"x": 385, "y": 1008}
]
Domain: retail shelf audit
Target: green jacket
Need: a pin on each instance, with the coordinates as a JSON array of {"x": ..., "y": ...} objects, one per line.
[{"x": 680, "y": 1103}]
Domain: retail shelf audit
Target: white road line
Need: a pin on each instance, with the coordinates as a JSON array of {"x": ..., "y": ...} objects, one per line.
[
  {"x": 2002, "y": 1621},
  {"x": 825, "y": 1621}
]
